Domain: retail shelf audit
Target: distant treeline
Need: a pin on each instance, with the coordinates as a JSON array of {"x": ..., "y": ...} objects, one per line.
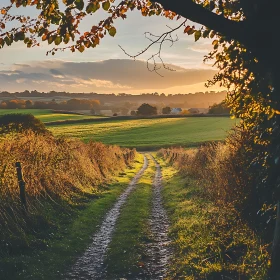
[{"x": 198, "y": 99}]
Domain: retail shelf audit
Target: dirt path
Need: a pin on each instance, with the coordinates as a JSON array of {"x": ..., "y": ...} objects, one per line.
[
  {"x": 158, "y": 251},
  {"x": 90, "y": 265}
]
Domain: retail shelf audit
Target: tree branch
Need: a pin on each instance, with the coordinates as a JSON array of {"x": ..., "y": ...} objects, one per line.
[{"x": 197, "y": 13}]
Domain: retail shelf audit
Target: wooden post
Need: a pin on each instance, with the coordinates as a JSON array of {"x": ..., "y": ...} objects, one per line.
[
  {"x": 21, "y": 185},
  {"x": 275, "y": 258}
]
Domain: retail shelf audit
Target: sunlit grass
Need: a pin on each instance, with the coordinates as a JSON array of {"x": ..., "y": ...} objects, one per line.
[
  {"x": 209, "y": 242},
  {"x": 150, "y": 133}
]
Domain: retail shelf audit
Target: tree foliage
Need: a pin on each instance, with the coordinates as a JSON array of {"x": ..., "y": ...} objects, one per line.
[
  {"x": 146, "y": 110},
  {"x": 166, "y": 110},
  {"x": 219, "y": 109}
]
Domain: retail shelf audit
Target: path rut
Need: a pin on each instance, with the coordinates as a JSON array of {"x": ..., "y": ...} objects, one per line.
[
  {"x": 90, "y": 264},
  {"x": 158, "y": 251}
]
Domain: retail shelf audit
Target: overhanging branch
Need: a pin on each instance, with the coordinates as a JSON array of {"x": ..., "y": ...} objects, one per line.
[{"x": 196, "y": 13}]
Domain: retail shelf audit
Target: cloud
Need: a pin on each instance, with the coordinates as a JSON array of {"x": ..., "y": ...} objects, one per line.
[
  {"x": 201, "y": 48},
  {"x": 112, "y": 75}
]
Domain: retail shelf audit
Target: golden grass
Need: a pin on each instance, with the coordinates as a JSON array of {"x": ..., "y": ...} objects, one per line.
[{"x": 55, "y": 169}]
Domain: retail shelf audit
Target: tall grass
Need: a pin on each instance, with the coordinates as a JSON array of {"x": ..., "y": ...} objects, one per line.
[
  {"x": 224, "y": 176},
  {"x": 59, "y": 171},
  {"x": 223, "y": 170}
]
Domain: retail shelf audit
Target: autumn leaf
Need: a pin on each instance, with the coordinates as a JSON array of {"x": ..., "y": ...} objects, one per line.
[
  {"x": 81, "y": 49},
  {"x": 187, "y": 29}
]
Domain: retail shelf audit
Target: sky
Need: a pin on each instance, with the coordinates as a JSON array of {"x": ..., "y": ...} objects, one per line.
[{"x": 107, "y": 69}]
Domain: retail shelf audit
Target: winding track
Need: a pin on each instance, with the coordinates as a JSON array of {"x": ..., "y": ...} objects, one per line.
[{"x": 90, "y": 265}]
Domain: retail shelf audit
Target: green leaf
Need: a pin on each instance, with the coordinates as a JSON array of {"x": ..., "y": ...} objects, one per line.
[
  {"x": 79, "y": 4},
  {"x": 92, "y": 7},
  {"x": 66, "y": 38},
  {"x": 2, "y": 42},
  {"x": 58, "y": 40},
  {"x": 206, "y": 33},
  {"x": 89, "y": 8},
  {"x": 20, "y": 36},
  {"x": 112, "y": 31},
  {"x": 197, "y": 35},
  {"x": 106, "y": 5},
  {"x": 50, "y": 40}
]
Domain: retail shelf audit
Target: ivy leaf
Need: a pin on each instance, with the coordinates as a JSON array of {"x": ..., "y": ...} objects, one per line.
[{"x": 112, "y": 31}]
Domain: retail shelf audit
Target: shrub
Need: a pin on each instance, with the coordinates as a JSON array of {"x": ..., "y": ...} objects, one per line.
[{"x": 21, "y": 122}]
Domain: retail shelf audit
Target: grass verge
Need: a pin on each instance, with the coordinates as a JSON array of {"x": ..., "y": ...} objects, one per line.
[
  {"x": 209, "y": 242},
  {"x": 125, "y": 256},
  {"x": 67, "y": 236}
]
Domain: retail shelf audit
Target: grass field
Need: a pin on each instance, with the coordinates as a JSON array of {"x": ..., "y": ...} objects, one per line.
[
  {"x": 150, "y": 133},
  {"x": 45, "y": 115}
]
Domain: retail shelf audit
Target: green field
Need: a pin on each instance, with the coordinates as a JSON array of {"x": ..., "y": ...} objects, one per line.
[
  {"x": 150, "y": 133},
  {"x": 46, "y": 115}
]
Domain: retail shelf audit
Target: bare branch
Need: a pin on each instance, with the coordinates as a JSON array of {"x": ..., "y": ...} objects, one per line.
[{"x": 157, "y": 39}]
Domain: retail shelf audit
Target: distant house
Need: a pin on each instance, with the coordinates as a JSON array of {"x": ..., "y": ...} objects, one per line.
[{"x": 176, "y": 111}]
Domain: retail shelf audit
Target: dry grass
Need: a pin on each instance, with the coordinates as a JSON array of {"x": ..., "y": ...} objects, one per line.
[
  {"x": 64, "y": 171},
  {"x": 222, "y": 169},
  {"x": 219, "y": 174}
]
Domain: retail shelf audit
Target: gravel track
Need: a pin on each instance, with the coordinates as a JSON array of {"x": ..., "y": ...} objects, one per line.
[
  {"x": 158, "y": 252},
  {"x": 90, "y": 264}
]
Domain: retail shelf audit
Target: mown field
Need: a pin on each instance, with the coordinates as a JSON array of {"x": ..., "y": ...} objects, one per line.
[
  {"x": 150, "y": 133},
  {"x": 45, "y": 115}
]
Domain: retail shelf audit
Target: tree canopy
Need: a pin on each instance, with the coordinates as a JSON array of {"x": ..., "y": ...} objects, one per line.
[{"x": 146, "y": 110}]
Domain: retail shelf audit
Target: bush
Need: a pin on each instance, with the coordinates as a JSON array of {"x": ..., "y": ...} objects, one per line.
[{"x": 21, "y": 122}]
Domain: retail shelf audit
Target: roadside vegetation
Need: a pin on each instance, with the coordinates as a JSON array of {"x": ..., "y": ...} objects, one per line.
[
  {"x": 61, "y": 176},
  {"x": 211, "y": 240},
  {"x": 150, "y": 133}
]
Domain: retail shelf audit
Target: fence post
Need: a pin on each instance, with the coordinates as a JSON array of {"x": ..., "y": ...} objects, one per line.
[
  {"x": 275, "y": 258},
  {"x": 21, "y": 185}
]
